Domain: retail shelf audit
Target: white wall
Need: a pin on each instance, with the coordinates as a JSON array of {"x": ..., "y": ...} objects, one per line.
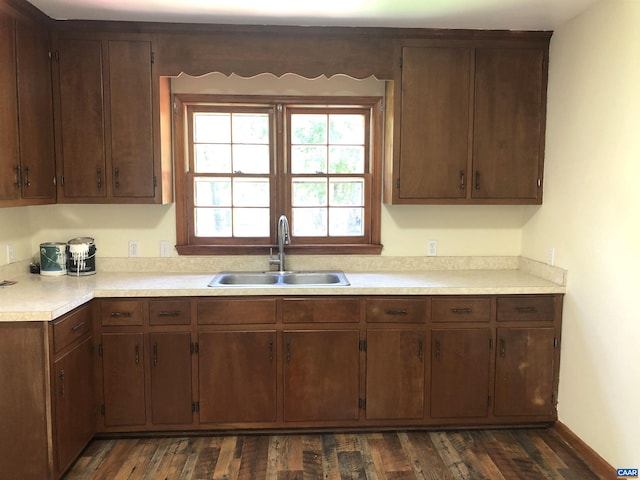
[{"x": 591, "y": 215}]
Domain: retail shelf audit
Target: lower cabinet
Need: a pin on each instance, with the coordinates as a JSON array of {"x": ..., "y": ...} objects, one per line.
[{"x": 237, "y": 377}]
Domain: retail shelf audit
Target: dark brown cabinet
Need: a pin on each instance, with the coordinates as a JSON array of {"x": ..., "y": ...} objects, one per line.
[
  {"x": 107, "y": 108},
  {"x": 237, "y": 376},
  {"x": 395, "y": 374},
  {"x": 321, "y": 375},
  {"x": 469, "y": 123}
]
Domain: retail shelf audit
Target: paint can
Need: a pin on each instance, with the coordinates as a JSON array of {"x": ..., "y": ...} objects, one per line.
[
  {"x": 81, "y": 256},
  {"x": 53, "y": 259}
]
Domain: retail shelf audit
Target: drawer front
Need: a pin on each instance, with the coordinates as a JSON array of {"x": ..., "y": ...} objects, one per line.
[
  {"x": 121, "y": 312},
  {"x": 170, "y": 312},
  {"x": 396, "y": 310},
  {"x": 526, "y": 308},
  {"x": 71, "y": 327},
  {"x": 461, "y": 309},
  {"x": 235, "y": 311},
  {"x": 321, "y": 310}
]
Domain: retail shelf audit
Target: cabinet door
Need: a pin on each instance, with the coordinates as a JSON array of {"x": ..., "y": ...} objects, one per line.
[
  {"x": 525, "y": 371},
  {"x": 436, "y": 88},
  {"x": 81, "y": 119},
  {"x": 509, "y": 123},
  {"x": 123, "y": 373},
  {"x": 131, "y": 116},
  {"x": 237, "y": 376},
  {"x": 460, "y": 360},
  {"x": 37, "y": 156},
  {"x": 395, "y": 374},
  {"x": 9, "y": 161},
  {"x": 171, "y": 378},
  {"x": 321, "y": 375},
  {"x": 74, "y": 403}
]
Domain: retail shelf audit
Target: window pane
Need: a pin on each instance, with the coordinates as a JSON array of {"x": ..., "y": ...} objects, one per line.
[
  {"x": 309, "y": 222},
  {"x": 251, "y": 158},
  {"x": 212, "y": 127},
  {"x": 251, "y": 192},
  {"x": 309, "y": 192},
  {"x": 213, "y": 222},
  {"x": 308, "y": 129},
  {"x": 212, "y": 158},
  {"x": 349, "y": 191},
  {"x": 212, "y": 192},
  {"x": 346, "y": 159},
  {"x": 346, "y": 129},
  {"x": 251, "y": 222},
  {"x": 345, "y": 222},
  {"x": 307, "y": 159},
  {"x": 251, "y": 128}
]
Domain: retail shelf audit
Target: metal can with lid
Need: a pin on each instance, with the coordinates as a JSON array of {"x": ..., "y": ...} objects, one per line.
[{"x": 81, "y": 256}]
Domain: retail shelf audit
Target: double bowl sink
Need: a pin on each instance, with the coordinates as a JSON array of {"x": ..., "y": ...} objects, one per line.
[{"x": 279, "y": 279}]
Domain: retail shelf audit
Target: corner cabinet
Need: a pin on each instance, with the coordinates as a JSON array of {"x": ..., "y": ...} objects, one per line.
[
  {"x": 468, "y": 122},
  {"x": 108, "y": 115}
]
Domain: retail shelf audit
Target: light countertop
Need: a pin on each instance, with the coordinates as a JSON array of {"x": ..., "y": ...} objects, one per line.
[{"x": 39, "y": 298}]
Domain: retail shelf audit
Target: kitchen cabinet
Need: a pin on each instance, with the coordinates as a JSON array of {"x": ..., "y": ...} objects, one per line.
[
  {"x": 469, "y": 122},
  {"x": 237, "y": 376},
  {"x": 108, "y": 113},
  {"x": 321, "y": 375}
]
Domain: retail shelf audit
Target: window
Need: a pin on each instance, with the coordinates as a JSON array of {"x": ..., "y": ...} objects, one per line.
[{"x": 247, "y": 160}]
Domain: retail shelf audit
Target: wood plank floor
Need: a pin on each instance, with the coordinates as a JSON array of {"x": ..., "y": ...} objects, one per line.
[{"x": 449, "y": 455}]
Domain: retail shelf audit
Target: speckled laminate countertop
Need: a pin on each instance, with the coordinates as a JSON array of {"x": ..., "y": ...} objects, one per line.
[{"x": 38, "y": 298}]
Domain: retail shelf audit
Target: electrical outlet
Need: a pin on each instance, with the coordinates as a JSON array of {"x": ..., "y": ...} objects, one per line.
[
  {"x": 134, "y": 248},
  {"x": 11, "y": 254},
  {"x": 551, "y": 256},
  {"x": 165, "y": 248},
  {"x": 432, "y": 248}
]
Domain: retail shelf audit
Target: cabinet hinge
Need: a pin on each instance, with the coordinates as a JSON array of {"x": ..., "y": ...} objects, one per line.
[
  {"x": 362, "y": 345},
  {"x": 555, "y": 342},
  {"x": 398, "y": 183},
  {"x": 490, "y": 343},
  {"x": 539, "y": 182},
  {"x": 100, "y": 353},
  {"x": 54, "y": 56},
  {"x": 195, "y": 407},
  {"x": 62, "y": 180},
  {"x": 401, "y": 65},
  {"x": 155, "y": 181},
  {"x": 553, "y": 399},
  {"x": 153, "y": 57},
  {"x": 195, "y": 348},
  {"x": 54, "y": 181},
  {"x": 102, "y": 409},
  {"x": 362, "y": 404}
]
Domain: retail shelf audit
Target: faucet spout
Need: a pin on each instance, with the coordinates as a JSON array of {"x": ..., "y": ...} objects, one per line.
[{"x": 283, "y": 239}]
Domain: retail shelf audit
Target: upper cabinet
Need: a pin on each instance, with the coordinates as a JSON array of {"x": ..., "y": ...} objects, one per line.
[
  {"x": 466, "y": 123},
  {"x": 27, "y": 161},
  {"x": 107, "y": 102}
]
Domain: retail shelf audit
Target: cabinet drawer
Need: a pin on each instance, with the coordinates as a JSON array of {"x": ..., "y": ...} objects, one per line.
[
  {"x": 526, "y": 308},
  {"x": 397, "y": 310},
  {"x": 71, "y": 327},
  {"x": 461, "y": 309},
  {"x": 170, "y": 312},
  {"x": 315, "y": 310},
  {"x": 234, "y": 311},
  {"x": 121, "y": 312}
]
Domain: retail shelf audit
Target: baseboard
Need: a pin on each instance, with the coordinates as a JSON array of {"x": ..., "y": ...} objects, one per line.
[{"x": 599, "y": 464}]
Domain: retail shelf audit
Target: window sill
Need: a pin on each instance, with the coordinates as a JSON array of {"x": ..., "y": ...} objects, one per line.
[{"x": 352, "y": 249}]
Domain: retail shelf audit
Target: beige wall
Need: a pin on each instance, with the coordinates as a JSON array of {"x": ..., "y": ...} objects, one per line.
[{"x": 591, "y": 216}]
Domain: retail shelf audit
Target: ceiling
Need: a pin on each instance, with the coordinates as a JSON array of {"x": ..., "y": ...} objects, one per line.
[{"x": 475, "y": 14}]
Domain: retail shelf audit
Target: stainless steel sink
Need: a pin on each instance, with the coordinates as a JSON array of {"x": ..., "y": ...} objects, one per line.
[{"x": 279, "y": 279}]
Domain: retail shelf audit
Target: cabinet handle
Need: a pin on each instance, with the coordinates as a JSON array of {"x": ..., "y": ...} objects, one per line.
[
  {"x": 477, "y": 180},
  {"x": 121, "y": 314},
  {"x": 502, "y": 347},
  {"x": 271, "y": 351},
  {"x": 437, "y": 350},
  {"x": 117, "y": 177},
  {"x": 460, "y": 311},
  {"x": 288, "y": 352},
  {"x": 155, "y": 353},
  {"x": 27, "y": 180},
  {"x": 99, "y": 177},
  {"x": 526, "y": 309},
  {"x": 420, "y": 349},
  {"x": 392, "y": 311},
  {"x": 18, "y": 176},
  {"x": 61, "y": 376},
  {"x": 172, "y": 313},
  {"x": 137, "y": 351},
  {"x": 461, "y": 179},
  {"x": 77, "y": 326}
]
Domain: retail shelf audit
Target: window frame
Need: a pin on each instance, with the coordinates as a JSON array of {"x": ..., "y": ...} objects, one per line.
[{"x": 280, "y": 177}]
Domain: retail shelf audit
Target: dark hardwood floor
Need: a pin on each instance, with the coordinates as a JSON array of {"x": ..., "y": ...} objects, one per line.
[{"x": 433, "y": 455}]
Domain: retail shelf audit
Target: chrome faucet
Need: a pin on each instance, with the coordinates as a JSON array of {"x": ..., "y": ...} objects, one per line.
[{"x": 283, "y": 239}]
